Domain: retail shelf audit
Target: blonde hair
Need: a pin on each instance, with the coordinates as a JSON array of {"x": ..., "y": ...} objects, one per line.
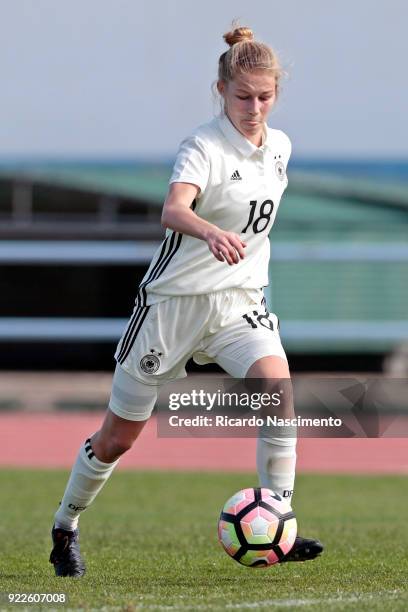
[{"x": 246, "y": 54}]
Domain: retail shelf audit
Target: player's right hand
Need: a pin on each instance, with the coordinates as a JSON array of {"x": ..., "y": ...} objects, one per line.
[{"x": 226, "y": 246}]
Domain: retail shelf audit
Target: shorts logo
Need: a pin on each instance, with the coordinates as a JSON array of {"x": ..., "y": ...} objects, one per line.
[
  {"x": 150, "y": 363},
  {"x": 280, "y": 170}
]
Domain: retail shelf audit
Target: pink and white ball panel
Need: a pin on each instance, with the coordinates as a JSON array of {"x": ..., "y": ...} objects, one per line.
[
  {"x": 259, "y": 526},
  {"x": 239, "y": 501},
  {"x": 228, "y": 537},
  {"x": 288, "y": 536},
  {"x": 253, "y": 557}
]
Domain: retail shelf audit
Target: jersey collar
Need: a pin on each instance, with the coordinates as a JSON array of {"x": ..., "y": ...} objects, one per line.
[{"x": 244, "y": 146}]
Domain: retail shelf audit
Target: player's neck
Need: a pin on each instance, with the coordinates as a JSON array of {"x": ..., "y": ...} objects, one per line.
[{"x": 255, "y": 139}]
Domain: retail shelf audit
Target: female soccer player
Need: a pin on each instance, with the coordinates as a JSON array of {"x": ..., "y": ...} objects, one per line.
[{"x": 202, "y": 294}]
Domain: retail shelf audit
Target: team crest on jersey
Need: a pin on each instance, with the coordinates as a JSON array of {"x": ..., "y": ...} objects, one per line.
[
  {"x": 280, "y": 170},
  {"x": 150, "y": 363}
]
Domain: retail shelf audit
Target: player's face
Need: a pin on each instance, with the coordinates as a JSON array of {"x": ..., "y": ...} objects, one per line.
[{"x": 248, "y": 98}]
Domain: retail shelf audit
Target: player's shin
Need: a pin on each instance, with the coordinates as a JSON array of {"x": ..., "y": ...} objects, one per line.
[
  {"x": 87, "y": 478},
  {"x": 276, "y": 464}
]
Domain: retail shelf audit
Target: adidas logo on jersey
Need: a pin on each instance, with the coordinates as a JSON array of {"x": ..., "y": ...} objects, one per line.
[{"x": 235, "y": 176}]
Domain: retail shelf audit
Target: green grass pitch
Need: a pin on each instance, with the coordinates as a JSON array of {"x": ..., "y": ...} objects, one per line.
[{"x": 150, "y": 543}]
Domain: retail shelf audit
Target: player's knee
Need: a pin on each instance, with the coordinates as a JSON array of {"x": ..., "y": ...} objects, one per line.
[
  {"x": 274, "y": 382},
  {"x": 271, "y": 368}
]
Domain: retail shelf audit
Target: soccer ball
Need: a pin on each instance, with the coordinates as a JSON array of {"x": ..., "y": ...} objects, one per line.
[{"x": 257, "y": 527}]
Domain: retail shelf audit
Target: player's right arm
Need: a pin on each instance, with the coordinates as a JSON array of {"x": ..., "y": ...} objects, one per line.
[{"x": 178, "y": 216}]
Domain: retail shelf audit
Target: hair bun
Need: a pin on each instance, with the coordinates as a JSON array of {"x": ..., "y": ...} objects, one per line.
[{"x": 238, "y": 35}]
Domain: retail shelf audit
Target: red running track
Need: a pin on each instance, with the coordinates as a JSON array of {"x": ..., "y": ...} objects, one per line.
[{"x": 49, "y": 440}]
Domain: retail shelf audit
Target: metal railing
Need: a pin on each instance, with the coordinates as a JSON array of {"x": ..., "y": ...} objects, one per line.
[{"x": 313, "y": 334}]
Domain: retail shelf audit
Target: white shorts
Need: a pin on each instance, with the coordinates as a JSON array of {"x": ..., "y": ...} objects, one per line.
[{"x": 231, "y": 328}]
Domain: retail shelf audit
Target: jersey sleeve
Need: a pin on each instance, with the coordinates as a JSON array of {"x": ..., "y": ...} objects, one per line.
[{"x": 192, "y": 163}]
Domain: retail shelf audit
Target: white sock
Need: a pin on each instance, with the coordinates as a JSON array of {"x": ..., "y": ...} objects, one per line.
[
  {"x": 87, "y": 478},
  {"x": 276, "y": 463}
]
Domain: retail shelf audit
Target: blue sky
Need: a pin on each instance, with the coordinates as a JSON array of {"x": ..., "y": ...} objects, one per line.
[{"x": 132, "y": 78}]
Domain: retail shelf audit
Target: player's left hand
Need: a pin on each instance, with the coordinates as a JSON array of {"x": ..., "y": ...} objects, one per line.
[{"x": 226, "y": 246}]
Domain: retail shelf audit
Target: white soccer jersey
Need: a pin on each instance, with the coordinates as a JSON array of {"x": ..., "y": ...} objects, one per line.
[{"x": 240, "y": 189}]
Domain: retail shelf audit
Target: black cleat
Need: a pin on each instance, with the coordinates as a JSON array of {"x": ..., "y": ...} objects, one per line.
[
  {"x": 304, "y": 550},
  {"x": 65, "y": 556}
]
